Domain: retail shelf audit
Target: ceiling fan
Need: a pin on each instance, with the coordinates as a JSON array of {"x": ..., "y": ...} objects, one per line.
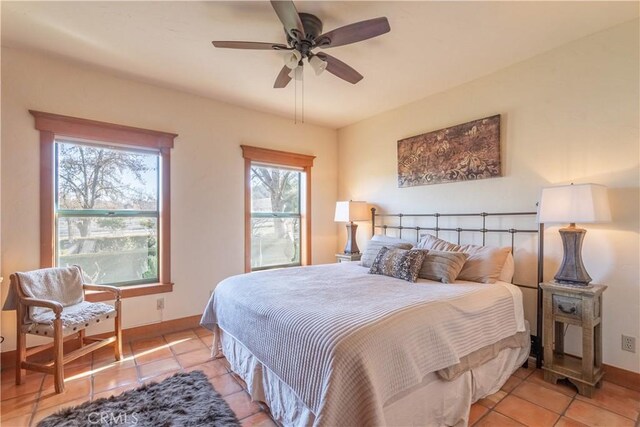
[{"x": 304, "y": 34}]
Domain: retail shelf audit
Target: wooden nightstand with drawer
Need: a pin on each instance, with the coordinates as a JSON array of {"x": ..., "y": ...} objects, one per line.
[{"x": 580, "y": 306}]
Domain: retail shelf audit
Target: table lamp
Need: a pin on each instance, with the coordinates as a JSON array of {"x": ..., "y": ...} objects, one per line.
[
  {"x": 348, "y": 212},
  {"x": 582, "y": 203}
]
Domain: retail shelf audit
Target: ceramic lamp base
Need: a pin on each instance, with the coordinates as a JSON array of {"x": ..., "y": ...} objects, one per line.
[
  {"x": 352, "y": 246},
  {"x": 572, "y": 269}
]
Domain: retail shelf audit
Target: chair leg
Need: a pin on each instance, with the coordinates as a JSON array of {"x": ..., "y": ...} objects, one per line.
[
  {"x": 81, "y": 335},
  {"x": 58, "y": 345},
  {"x": 21, "y": 346},
  {"x": 118, "y": 331}
]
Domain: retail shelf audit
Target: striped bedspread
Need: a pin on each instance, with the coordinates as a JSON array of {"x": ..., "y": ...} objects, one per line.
[{"x": 347, "y": 342}]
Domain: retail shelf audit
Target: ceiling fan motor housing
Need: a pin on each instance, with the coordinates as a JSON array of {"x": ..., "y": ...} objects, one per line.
[{"x": 312, "y": 28}]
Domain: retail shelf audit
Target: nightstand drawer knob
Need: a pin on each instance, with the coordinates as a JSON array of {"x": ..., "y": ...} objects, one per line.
[{"x": 564, "y": 310}]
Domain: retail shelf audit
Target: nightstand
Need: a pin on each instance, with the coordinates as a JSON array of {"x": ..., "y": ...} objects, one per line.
[
  {"x": 348, "y": 257},
  {"x": 580, "y": 306}
]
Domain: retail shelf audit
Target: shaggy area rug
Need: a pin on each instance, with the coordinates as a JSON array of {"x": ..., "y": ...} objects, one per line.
[{"x": 185, "y": 399}]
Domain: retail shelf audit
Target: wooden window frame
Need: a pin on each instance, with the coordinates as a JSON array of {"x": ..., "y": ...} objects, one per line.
[
  {"x": 52, "y": 126},
  {"x": 277, "y": 158}
]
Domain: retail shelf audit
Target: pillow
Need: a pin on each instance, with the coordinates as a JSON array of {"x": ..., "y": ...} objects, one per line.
[
  {"x": 376, "y": 243},
  {"x": 508, "y": 269},
  {"x": 483, "y": 265},
  {"x": 399, "y": 263},
  {"x": 442, "y": 266}
]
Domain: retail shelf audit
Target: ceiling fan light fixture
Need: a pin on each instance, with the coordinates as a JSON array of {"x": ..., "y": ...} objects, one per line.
[
  {"x": 318, "y": 64},
  {"x": 292, "y": 59}
]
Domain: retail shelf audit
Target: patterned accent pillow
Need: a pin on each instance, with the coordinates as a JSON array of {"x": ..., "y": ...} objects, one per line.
[
  {"x": 376, "y": 243},
  {"x": 483, "y": 265},
  {"x": 442, "y": 266},
  {"x": 399, "y": 263}
]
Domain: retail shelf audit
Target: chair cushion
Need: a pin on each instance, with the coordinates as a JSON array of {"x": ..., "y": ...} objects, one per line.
[
  {"x": 74, "y": 318},
  {"x": 60, "y": 284}
]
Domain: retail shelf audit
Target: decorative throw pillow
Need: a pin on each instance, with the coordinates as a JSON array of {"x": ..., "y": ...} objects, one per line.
[
  {"x": 376, "y": 243},
  {"x": 399, "y": 263},
  {"x": 442, "y": 266},
  {"x": 483, "y": 265}
]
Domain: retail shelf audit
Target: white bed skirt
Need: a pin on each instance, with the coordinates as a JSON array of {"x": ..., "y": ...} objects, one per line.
[{"x": 434, "y": 402}]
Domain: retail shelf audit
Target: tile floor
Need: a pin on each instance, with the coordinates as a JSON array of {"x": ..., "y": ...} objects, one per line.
[{"x": 524, "y": 400}]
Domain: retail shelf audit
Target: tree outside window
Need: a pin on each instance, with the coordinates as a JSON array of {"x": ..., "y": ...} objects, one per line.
[{"x": 107, "y": 212}]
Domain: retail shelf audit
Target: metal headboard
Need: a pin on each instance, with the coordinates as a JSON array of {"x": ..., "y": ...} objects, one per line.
[{"x": 377, "y": 220}]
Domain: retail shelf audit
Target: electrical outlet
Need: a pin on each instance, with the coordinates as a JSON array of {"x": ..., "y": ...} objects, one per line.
[
  {"x": 160, "y": 304},
  {"x": 629, "y": 343}
]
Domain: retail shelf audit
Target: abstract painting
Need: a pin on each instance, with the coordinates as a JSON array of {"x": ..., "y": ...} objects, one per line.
[{"x": 463, "y": 152}]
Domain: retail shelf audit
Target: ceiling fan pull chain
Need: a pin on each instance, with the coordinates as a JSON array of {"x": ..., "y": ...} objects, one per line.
[{"x": 302, "y": 78}]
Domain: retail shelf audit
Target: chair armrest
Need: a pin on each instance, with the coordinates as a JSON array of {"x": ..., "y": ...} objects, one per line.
[
  {"x": 35, "y": 302},
  {"x": 106, "y": 288}
]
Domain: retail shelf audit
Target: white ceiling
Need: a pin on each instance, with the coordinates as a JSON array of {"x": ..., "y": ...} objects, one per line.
[{"x": 432, "y": 46}]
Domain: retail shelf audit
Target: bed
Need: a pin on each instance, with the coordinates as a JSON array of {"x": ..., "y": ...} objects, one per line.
[{"x": 334, "y": 345}]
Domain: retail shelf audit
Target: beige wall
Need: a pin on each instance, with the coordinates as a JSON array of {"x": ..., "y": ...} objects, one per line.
[
  {"x": 206, "y": 176},
  {"x": 569, "y": 115}
]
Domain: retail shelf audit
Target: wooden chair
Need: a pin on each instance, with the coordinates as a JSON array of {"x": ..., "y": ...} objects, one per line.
[{"x": 60, "y": 320}]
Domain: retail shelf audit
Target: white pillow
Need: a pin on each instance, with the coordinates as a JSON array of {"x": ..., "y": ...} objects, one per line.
[
  {"x": 376, "y": 243},
  {"x": 508, "y": 269}
]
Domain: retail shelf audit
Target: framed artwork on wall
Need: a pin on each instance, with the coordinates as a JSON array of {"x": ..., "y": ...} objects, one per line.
[{"x": 464, "y": 152}]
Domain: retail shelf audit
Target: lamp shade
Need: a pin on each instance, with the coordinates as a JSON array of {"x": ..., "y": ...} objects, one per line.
[
  {"x": 582, "y": 203},
  {"x": 292, "y": 59},
  {"x": 317, "y": 64},
  {"x": 351, "y": 211}
]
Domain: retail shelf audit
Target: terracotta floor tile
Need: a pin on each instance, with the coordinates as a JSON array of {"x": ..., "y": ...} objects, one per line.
[
  {"x": 20, "y": 421},
  {"x": 511, "y": 383},
  {"x": 18, "y": 406},
  {"x": 153, "y": 354},
  {"x": 211, "y": 369},
  {"x": 568, "y": 422},
  {"x": 9, "y": 389},
  {"x": 476, "y": 412},
  {"x": 194, "y": 358},
  {"x": 45, "y": 412},
  {"x": 494, "y": 419},
  {"x": 491, "y": 400},
  {"x": 526, "y": 412},
  {"x": 561, "y": 386},
  {"x": 241, "y": 404},
  {"x": 261, "y": 419},
  {"x": 147, "y": 344},
  {"x": 239, "y": 380},
  {"x": 156, "y": 368},
  {"x": 71, "y": 374},
  {"x": 621, "y": 400},
  {"x": 592, "y": 415},
  {"x": 186, "y": 345},
  {"x": 542, "y": 396},
  {"x": 225, "y": 384},
  {"x": 79, "y": 389},
  {"x": 524, "y": 372},
  {"x": 160, "y": 378},
  {"x": 115, "y": 391},
  {"x": 203, "y": 332},
  {"x": 112, "y": 379},
  {"x": 108, "y": 364},
  {"x": 181, "y": 335}
]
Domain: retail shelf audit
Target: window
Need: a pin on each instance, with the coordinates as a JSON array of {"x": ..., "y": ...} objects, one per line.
[
  {"x": 105, "y": 202},
  {"x": 275, "y": 216},
  {"x": 277, "y": 208},
  {"x": 107, "y": 211}
]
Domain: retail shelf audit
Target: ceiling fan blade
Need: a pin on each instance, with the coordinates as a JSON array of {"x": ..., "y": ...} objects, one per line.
[
  {"x": 340, "y": 69},
  {"x": 249, "y": 45},
  {"x": 283, "y": 78},
  {"x": 355, "y": 32},
  {"x": 288, "y": 14}
]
